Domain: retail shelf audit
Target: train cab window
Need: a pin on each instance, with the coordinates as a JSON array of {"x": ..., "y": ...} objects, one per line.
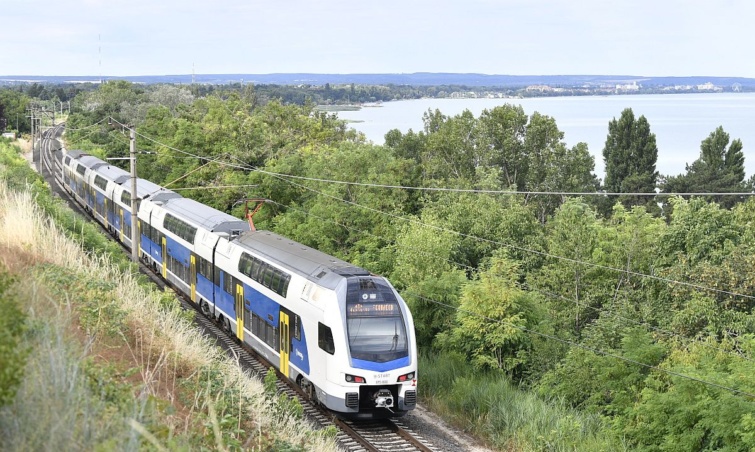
[
  {"x": 325, "y": 338},
  {"x": 374, "y": 323}
]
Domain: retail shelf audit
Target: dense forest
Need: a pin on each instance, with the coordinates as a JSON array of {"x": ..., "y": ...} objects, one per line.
[{"x": 625, "y": 314}]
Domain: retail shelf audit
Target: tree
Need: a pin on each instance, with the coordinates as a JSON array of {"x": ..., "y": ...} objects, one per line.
[
  {"x": 630, "y": 155},
  {"x": 13, "y": 109},
  {"x": 718, "y": 170},
  {"x": 491, "y": 317}
]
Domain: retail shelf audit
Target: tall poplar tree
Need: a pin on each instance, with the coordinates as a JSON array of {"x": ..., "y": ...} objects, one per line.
[
  {"x": 719, "y": 169},
  {"x": 630, "y": 155}
]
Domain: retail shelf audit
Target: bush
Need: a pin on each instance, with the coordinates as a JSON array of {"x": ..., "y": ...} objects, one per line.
[{"x": 12, "y": 352}]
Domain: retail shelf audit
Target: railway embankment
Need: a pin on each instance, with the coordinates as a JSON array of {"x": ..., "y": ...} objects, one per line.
[{"x": 104, "y": 360}]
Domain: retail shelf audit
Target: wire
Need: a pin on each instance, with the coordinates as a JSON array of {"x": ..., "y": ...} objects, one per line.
[
  {"x": 445, "y": 189},
  {"x": 527, "y": 286},
  {"x": 91, "y": 126},
  {"x": 213, "y": 187},
  {"x": 500, "y": 192}
]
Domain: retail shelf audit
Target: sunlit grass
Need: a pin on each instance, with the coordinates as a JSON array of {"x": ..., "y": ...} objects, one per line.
[{"x": 56, "y": 408}]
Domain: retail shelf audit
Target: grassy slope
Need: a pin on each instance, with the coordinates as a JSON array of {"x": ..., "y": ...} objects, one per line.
[{"x": 116, "y": 364}]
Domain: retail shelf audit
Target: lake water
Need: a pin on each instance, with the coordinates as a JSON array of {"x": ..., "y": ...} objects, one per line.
[{"x": 679, "y": 121}]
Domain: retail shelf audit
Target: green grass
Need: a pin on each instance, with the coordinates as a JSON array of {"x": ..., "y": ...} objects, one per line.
[
  {"x": 493, "y": 409},
  {"x": 115, "y": 364}
]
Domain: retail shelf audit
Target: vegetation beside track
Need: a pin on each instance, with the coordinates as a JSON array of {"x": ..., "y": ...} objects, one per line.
[{"x": 96, "y": 359}]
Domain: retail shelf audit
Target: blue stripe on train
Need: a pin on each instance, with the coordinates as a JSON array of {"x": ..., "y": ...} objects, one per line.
[{"x": 380, "y": 367}]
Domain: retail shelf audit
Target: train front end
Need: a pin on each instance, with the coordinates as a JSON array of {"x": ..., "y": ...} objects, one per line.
[{"x": 380, "y": 379}]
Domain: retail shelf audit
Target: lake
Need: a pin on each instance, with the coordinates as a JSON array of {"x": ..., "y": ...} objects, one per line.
[{"x": 679, "y": 121}]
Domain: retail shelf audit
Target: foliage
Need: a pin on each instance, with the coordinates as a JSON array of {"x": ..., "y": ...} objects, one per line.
[
  {"x": 489, "y": 406},
  {"x": 493, "y": 318},
  {"x": 548, "y": 291},
  {"x": 630, "y": 155},
  {"x": 674, "y": 413},
  {"x": 13, "y": 351},
  {"x": 718, "y": 170},
  {"x": 13, "y": 112}
]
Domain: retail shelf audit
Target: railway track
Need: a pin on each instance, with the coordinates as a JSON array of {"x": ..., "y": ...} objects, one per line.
[{"x": 373, "y": 436}]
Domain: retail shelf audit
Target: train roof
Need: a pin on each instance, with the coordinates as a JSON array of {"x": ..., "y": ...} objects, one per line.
[
  {"x": 75, "y": 153},
  {"x": 90, "y": 161},
  {"x": 146, "y": 189},
  {"x": 117, "y": 175},
  {"x": 205, "y": 216},
  {"x": 315, "y": 265}
]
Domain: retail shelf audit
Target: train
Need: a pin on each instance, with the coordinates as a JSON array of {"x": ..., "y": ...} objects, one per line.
[{"x": 341, "y": 333}]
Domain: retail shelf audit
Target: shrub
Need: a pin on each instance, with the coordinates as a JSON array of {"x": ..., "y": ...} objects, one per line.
[{"x": 12, "y": 352}]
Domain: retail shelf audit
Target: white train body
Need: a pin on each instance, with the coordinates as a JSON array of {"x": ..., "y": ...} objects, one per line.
[{"x": 344, "y": 335}]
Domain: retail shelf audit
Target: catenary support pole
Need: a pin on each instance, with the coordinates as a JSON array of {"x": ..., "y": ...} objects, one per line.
[{"x": 134, "y": 220}]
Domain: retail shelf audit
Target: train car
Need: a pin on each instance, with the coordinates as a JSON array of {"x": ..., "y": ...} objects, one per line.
[
  {"x": 121, "y": 200},
  {"x": 75, "y": 171},
  {"x": 344, "y": 335},
  {"x": 179, "y": 237},
  {"x": 102, "y": 181}
]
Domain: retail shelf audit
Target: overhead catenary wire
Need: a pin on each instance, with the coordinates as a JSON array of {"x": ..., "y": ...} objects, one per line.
[
  {"x": 500, "y": 192},
  {"x": 449, "y": 189}
]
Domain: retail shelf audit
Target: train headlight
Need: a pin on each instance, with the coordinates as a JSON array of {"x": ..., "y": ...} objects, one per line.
[
  {"x": 354, "y": 379},
  {"x": 406, "y": 377}
]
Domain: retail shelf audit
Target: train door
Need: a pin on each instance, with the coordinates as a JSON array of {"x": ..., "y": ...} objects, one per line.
[
  {"x": 120, "y": 212},
  {"x": 193, "y": 277},
  {"x": 165, "y": 256},
  {"x": 105, "y": 213},
  {"x": 239, "y": 311},
  {"x": 285, "y": 342},
  {"x": 109, "y": 205}
]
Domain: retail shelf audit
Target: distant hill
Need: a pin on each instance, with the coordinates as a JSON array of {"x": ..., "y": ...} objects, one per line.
[{"x": 417, "y": 79}]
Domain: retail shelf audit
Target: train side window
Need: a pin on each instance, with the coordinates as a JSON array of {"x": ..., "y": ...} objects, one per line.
[
  {"x": 268, "y": 276},
  {"x": 255, "y": 270},
  {"x": 275, "y": 282},
  {"x": 297, "y": 327},
  {"x": 325, "y": 338},
  {"x": 285, "y": 278},
  {"x": 228, "y": 283},
  {"x": 126, "y": 198}
]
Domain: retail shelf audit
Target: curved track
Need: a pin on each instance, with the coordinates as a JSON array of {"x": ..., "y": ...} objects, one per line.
[{"x": 373, "y": 436}]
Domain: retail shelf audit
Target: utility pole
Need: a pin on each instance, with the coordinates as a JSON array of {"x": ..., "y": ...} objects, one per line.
[
  {"x": 31, "y": 116},
  {"x": 134, "y": 220}
]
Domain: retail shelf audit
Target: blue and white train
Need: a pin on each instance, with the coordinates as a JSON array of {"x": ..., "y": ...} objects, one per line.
[{"x": 342, "y": 334}]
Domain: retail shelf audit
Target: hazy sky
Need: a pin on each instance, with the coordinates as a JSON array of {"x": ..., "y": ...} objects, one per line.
[{"x": 515, "y": 37}]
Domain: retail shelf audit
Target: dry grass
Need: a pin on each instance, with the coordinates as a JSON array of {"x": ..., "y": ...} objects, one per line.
[{"x": 160, "y": 343}]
